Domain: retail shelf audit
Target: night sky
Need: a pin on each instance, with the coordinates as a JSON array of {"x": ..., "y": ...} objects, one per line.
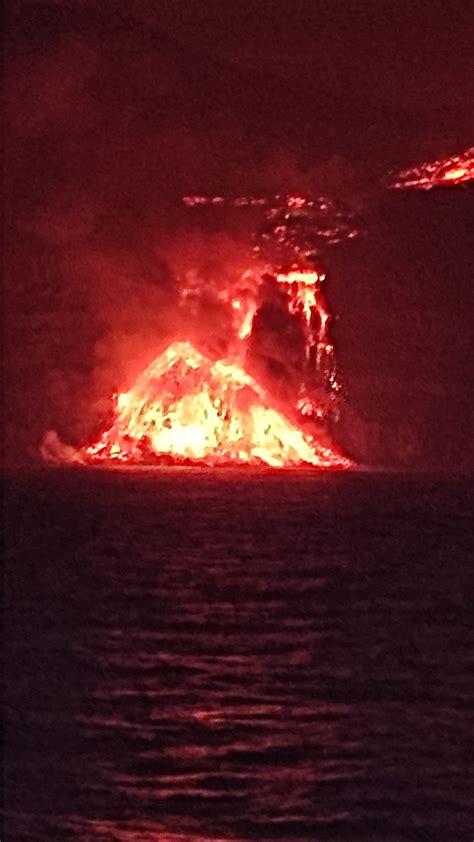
[{"x": 117, "y": 109}]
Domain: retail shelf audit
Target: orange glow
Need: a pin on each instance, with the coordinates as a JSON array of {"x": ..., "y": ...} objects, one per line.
[
  {"x": 242, "y": 317},
  {"x": 306, "y": 297},
  {"x": 305, "y": 277},
  {"x": 188, "y": 408},
  {"x": 296, "y": 201},
  {"x": 459, "y": 169},
  {"x": 455, "y": 174}
]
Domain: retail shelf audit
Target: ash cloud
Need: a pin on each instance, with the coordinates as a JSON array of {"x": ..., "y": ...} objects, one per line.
[{"x": 113, "y": 114}]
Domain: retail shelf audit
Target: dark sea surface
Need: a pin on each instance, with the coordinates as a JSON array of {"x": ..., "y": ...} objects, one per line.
[{"x": 197, "y": 655}]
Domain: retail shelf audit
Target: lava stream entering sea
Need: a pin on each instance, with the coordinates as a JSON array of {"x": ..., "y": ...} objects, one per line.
[{"x": 187, "y": 409}]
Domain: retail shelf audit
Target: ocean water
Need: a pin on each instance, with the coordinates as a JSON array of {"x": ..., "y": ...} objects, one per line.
[{"x": 197, "y": 655}]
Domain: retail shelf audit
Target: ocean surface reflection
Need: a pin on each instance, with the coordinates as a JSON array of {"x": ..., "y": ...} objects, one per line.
[{"x": 197, "y": 656}]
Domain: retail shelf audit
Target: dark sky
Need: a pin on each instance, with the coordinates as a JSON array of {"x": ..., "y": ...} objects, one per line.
[{"x": 116, "y": 109}]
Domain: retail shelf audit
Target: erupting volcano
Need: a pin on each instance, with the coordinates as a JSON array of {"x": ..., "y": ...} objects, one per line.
[
  {"x": 268, "y": 395},
  {"x": 187, "y": 408}
]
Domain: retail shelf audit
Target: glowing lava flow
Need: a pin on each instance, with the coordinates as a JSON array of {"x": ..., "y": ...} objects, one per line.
[
  {"x": 189, "y": 408},
  {"x": 185, "y": 408},
  {"x": 459, "y": 169}
]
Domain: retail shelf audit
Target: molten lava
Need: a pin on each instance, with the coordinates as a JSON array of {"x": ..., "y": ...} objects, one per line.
[
  {"x": 459, "y": 169},
  {"x": 189, "y": 407},
  {"x": 185, "y": 408}
]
